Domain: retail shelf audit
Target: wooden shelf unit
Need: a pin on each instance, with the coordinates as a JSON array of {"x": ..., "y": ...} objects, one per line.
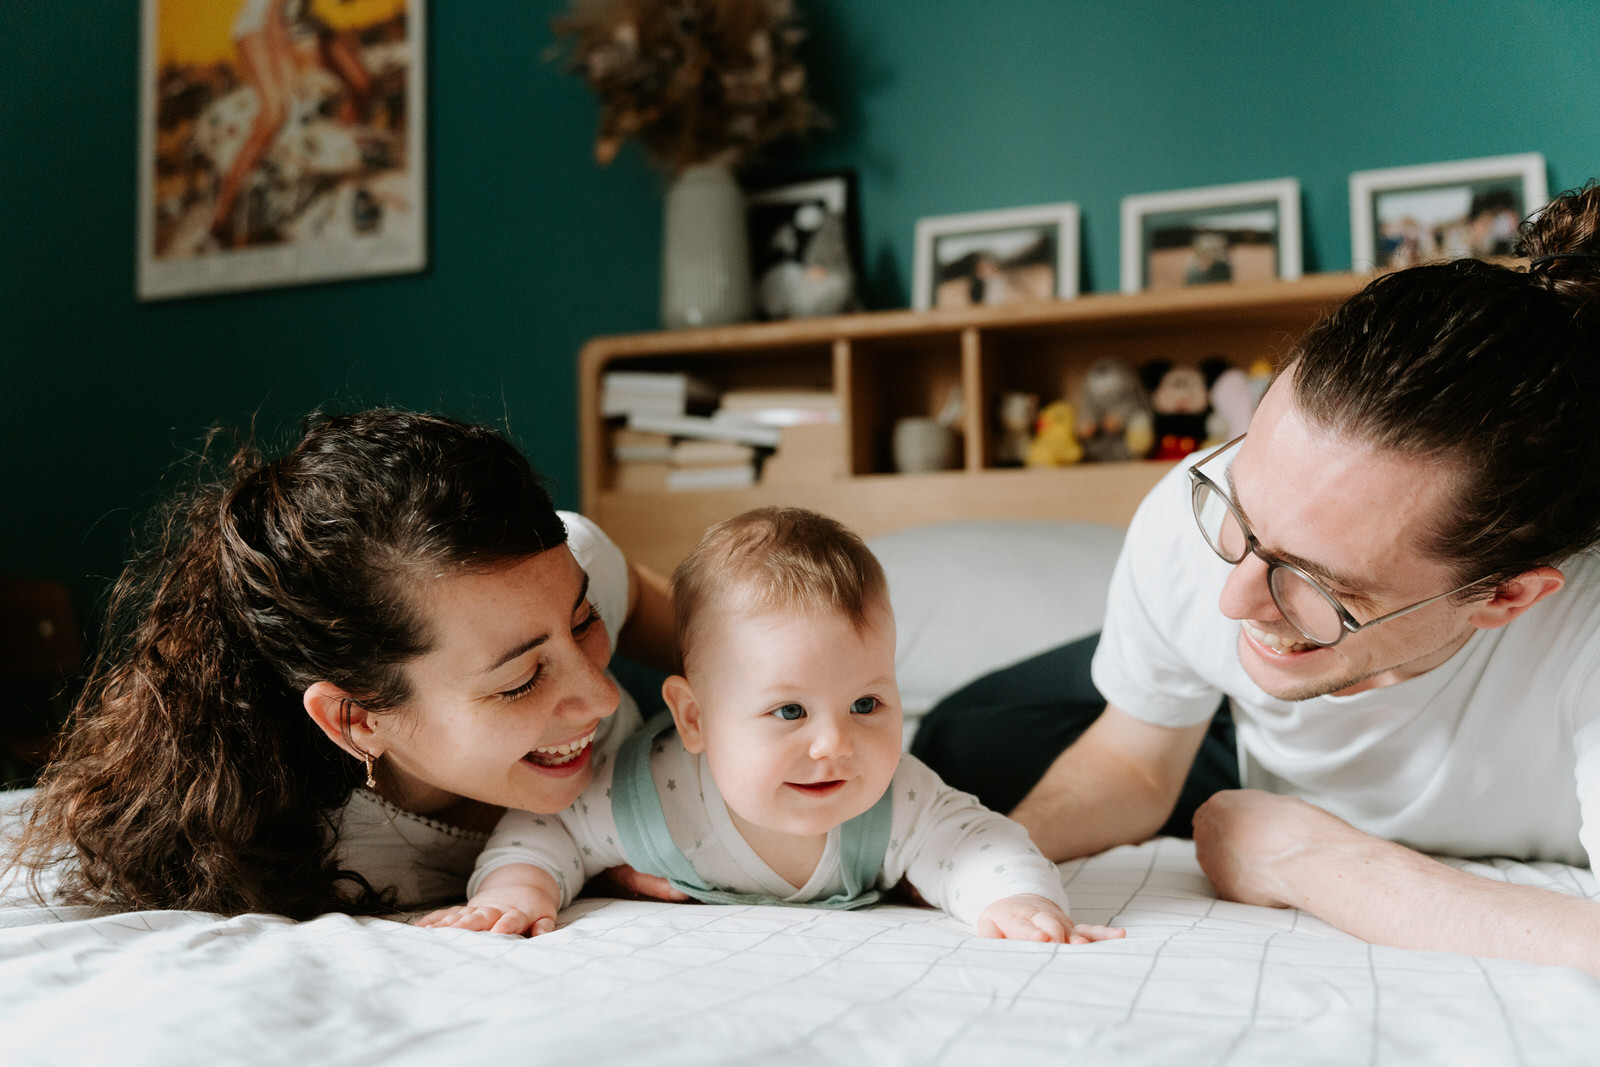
[{"x": 885, "y": 365}]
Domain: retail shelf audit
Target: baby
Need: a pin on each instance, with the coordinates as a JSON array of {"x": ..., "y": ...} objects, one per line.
[{"x": 783, "y": 782}]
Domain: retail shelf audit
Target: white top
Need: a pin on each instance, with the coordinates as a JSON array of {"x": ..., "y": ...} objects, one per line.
[
  {"x": 1494, "y": 752},
  {"x": 427, "y": 862},
  {"x": 959, "y": 855}
]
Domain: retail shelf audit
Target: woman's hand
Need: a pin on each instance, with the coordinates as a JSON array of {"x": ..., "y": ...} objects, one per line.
[{"x": 629, "y": 884}]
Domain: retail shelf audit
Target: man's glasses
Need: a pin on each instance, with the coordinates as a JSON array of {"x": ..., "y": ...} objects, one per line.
[{"x": 1302, "y": 600}]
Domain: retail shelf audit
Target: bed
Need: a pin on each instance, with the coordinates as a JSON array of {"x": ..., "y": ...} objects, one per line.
[{"x": 1197, "y": 980}]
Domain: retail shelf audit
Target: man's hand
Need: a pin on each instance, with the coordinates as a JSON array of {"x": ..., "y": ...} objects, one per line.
[
  {"x": 1248, "y": 842},
  {"x": 1278, "y": 851}
]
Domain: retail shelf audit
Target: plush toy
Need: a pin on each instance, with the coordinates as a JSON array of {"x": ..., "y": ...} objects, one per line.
[
  {"x": 1113, "y": 413},
  {"x": 1233, "y": 401},
  {"x": 1018, "y": 413},
  {"x": 1054, "y": 443},
  {"x": 1180, "y": 398}
]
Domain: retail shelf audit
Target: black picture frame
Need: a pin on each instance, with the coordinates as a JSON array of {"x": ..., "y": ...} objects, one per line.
[{"x": 805, "y": 243}]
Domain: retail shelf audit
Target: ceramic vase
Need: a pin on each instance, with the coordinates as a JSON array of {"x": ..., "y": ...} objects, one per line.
[{"x": 705, "y": 253}]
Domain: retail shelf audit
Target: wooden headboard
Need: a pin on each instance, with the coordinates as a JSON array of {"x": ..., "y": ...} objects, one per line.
[{"x": 884, "y": 366}]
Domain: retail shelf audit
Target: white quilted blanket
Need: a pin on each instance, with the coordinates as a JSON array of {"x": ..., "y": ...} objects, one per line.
[{"x": 1197, "y": 981}]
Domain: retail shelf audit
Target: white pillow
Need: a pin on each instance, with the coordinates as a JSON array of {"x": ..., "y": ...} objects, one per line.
[{"x": 972, "y": 597}]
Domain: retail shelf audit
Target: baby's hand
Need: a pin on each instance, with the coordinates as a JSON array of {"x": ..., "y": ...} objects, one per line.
[
  {"x": 494, "y": 918},
  {"x": 517, "y": 898},
  {"x": 1027, "y": 917}
]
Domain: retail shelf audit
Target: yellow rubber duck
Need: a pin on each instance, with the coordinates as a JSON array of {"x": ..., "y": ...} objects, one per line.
[{"x": 1054, "y": 442}]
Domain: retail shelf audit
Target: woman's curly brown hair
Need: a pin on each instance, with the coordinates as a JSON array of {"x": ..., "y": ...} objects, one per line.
[{"x": 192, "y": 776}]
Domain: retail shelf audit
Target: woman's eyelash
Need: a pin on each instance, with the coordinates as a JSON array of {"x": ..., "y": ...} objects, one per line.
[
  {"x": 524, "y": 689},
  {"x": 527, "y": 687}
]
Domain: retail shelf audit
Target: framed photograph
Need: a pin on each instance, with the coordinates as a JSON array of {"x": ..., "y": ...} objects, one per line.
[
  {"x": 1407, "y": 215},
  {"x": 996, "y": 257},
  {"x": 805, "y": 244},
  {"x": 1221, "y": 233},
  {"x": 280, "y": 142}
]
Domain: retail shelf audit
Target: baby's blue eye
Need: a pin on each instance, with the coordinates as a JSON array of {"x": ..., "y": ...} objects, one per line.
[
  {"x": 864, "y": 706},
  {"x": 789, "y": 712}
]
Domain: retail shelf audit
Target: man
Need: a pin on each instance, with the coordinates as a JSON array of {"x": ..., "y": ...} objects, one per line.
[{"x": 1392, "y": 579}]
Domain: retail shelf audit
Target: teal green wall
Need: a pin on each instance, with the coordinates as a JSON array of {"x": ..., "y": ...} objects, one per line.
[{"x": 941, "y": 105}]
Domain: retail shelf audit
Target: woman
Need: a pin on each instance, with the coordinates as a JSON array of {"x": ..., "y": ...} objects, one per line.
[{"x": 333, "y": 670}]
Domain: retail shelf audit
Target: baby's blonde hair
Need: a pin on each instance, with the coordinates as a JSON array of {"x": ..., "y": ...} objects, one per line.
[{"x": 776, "y": 559}]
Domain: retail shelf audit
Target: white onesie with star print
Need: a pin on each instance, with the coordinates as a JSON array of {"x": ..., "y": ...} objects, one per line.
[{"x": 959, "y": 855}]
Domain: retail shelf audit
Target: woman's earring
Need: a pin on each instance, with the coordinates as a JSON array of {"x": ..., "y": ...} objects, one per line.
[{"x": 372, "y": 783}]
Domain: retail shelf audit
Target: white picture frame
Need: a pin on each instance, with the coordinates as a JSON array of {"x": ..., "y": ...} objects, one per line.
[
  {"x": 1400, "y": 216},
  {"x": 1246, "y": 231},
  {"x": 1012, "y": 255},
  {"x": 337, "y": 191}
]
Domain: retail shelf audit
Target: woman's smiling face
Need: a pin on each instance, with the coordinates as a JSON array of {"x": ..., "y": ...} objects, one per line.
[{"x": 504, "y": 707}]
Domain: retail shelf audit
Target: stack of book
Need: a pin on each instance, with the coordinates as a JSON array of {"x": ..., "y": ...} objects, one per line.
[
  {"x": 712, "y": 465},
  {"x": 623, "y": 392},
  {"x": 781, "y": 407},
  {"x": 811, "y": 445},
  {"x": 645, "y": 460},
  {"x": 668, "y": 437}
]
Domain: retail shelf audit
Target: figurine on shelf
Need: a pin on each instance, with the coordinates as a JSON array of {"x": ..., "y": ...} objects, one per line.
[
  {"x": 1114, "y": 417},
  {"x": 1233, "y": 401},
  {"x": 1054, "y": 442},
  {"x": 1016, "y": 418},
  {"x": 1180, "y": 398}
]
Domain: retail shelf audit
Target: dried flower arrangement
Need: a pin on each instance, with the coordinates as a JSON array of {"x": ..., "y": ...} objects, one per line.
[{"x": 693, "y": 81}]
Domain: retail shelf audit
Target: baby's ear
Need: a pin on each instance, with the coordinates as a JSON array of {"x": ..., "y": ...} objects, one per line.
[{"x": 685, "y": 712}]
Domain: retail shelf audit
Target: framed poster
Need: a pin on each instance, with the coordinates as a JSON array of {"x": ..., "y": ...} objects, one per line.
[
  {"x": 280, "y": 142},
  {"x": 1221, "y": 233},
  {"x": 1403, "y": 216},
  {"x": 996, "y": 257}
]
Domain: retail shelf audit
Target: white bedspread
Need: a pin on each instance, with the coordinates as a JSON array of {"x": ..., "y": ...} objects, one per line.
[{"x": 1197, "y": 981}]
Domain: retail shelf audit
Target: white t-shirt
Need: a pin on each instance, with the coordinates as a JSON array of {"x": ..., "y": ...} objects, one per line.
[
  {"x": 428, "y": 862},
  {"x": 1494, "y": 752},
  {"x": 959, "y": 855}
]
